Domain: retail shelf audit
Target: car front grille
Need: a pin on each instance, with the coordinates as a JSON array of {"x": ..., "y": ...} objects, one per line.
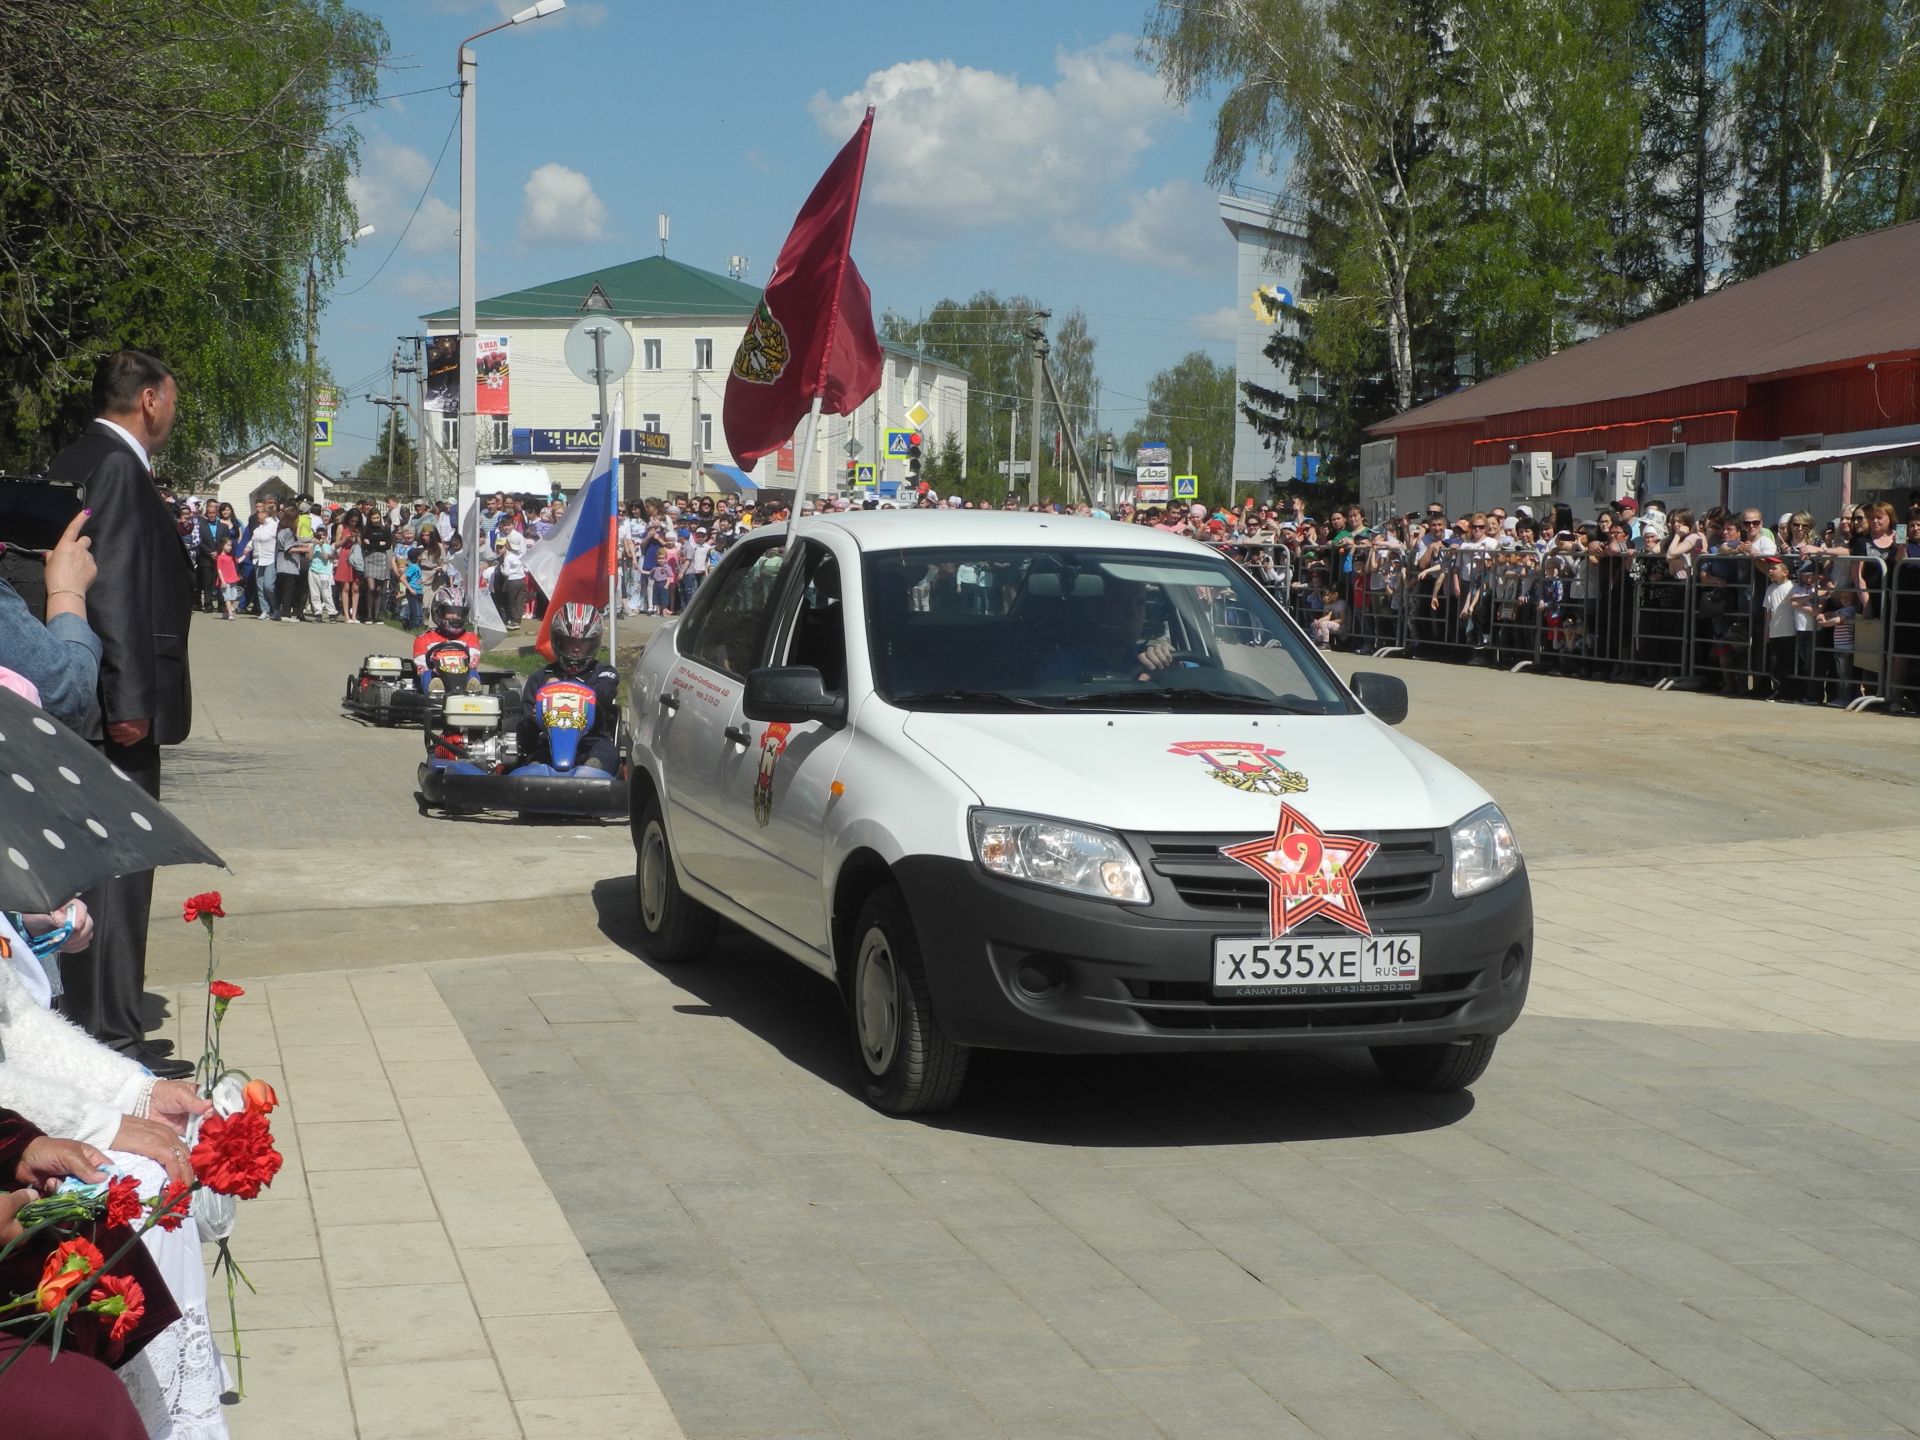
[
  {"x": 1192, "y": 1005},
  {"x": 1400, "y": 874}
]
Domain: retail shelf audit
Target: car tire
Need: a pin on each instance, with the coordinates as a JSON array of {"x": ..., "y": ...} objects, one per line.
[
  {"x": 908, "y": 1066},
  {"x": 1435, "y": 1069},
  {"x": 675, "y": 928}
]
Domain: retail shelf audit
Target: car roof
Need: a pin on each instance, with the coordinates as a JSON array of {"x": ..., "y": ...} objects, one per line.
[{"x": 926, "y": 529}]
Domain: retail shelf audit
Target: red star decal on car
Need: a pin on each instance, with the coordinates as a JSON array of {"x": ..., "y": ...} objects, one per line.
[{"x": 1308, "y": 872}]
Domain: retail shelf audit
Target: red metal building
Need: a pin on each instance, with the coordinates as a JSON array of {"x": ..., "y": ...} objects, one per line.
[{"x": 1820, "y": 353}]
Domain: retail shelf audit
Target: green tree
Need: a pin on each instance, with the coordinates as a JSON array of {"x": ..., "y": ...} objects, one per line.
[
  {"x": 169, "y": 168},
  {"x": 1827, "y": 117},
  {"x": 1190, "y": 406},
  {"x": 394, "y": 432},
  {"x": 986, "y": 336},
  {"x": 1686, "y": 158},
  {"x": 1352, "y": 92}
]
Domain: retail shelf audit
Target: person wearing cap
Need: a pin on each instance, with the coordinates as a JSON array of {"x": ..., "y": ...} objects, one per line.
[{"x": 699, "y": 562}]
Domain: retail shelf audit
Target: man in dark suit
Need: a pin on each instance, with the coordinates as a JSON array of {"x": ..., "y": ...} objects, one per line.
[{"x": 139, "y": 606}]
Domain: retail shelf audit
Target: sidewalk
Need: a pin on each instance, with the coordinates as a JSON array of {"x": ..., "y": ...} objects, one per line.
[{"x": 416, "y": 1279}]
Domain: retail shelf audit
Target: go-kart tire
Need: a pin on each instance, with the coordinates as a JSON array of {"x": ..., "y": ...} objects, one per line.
[
  {"x": 675, "y": 929},
  {"x": 1435, "y": 1069},
  {"x": 908, "y": 1066}
]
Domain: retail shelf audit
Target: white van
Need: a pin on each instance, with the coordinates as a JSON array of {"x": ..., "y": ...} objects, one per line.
[{"x": 1044, "y": 783}]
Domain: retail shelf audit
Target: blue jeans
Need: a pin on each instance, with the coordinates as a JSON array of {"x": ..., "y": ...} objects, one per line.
[
  {"x": 410, "y": 615},
  {"x": 263, "y": 592}
]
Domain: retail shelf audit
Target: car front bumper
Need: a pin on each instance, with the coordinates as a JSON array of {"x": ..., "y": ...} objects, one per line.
[{"x": 1140, "y": 978}]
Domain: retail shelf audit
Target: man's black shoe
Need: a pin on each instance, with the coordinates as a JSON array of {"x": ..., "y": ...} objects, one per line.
[{"x": 161, "y": 1066}]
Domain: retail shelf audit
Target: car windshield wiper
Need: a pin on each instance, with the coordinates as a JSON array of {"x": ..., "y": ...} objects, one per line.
[
  {"x": 1192, "y": 697},
  {"x": 979, "y": 699}
]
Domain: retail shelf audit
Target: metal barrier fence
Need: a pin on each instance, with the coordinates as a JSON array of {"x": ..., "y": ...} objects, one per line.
[{"x": 1837, "y": 630}]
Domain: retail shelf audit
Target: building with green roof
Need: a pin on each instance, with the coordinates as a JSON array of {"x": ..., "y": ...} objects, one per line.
[{"x": 685, "y": 324}]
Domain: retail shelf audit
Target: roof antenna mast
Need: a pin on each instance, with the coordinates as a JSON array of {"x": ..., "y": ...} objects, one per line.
[{"x": 663, "y": 234}]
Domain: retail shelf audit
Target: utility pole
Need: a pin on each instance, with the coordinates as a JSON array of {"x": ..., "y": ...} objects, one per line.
[
  {"x": 306, "y": 388},
  {"x": 418, "y": 410},
  {"x": 393, "y": 415},
  {"x": 1066, "y": 431},
  {"x": 1037, "y": 333},
  {"x": 695, "y": 475},
  {"x": 1013, "y": 438}
]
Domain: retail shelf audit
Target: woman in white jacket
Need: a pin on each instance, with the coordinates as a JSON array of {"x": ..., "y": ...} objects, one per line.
[{"x": 75, "y": 1088}]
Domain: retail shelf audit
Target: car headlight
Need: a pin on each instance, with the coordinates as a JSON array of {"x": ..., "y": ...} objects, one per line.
[
  {"x": 1484, "y": 851},
  {"x": 1057, "y": 854}
]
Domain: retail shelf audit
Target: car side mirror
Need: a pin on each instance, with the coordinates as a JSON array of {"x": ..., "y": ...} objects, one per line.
[
  {"x": 793, "y": 693},
  {"x": 1385, "y": 696}
]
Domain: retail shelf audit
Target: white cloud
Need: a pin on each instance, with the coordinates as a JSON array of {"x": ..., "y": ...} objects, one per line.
[
  {"x": 561, "y": 209},
  {"x": 1216, "y": 327},
  {"x": 385, "y": 191},
  {"x": 955, "y": 148},
  {"x": 1175, "y": 226},
  {"x": 423, "y": 287}
]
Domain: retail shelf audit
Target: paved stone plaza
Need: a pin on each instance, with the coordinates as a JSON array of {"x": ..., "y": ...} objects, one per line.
[{"x": 537, "y": 1187}]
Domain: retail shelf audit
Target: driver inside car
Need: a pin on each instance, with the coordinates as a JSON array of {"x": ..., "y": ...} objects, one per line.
[
  {"x": 450, "y": 651},
  {"x": 1108, "y": 638},
  {"x": 576, "y": 660}
]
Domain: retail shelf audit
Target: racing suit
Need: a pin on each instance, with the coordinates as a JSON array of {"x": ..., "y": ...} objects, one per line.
[
  {"x": 422, "y": 644},
  {"x": 600, "y": 746}
]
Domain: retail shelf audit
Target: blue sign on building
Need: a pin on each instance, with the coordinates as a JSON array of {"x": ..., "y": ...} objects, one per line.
[{"x": 1306, "y": 469}]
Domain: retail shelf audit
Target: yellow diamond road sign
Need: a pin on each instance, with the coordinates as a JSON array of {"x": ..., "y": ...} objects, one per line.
[{"x": 918, "y": 416}]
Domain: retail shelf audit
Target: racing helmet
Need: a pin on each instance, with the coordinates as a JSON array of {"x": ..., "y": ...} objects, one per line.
[
  {"x": 449, "y": 613},
  {"x": 576, "y": 638}
]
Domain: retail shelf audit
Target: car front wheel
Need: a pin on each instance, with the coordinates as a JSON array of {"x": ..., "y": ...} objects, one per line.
[
  {"x": 1435, "y": 1069},
  {"x": 908, "y": 1065},
  {"x": 676, "y": 928}
]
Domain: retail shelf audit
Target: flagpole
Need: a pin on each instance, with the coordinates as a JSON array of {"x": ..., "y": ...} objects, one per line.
[
  {"x": 613, "y": 585},
  {"x": 806, "y": 457}
]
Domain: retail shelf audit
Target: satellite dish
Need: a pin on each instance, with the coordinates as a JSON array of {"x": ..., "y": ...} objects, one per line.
[{"x": 616, "y": 347}]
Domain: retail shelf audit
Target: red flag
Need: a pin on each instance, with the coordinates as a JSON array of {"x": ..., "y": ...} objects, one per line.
[{"x": 812, "y": 333}]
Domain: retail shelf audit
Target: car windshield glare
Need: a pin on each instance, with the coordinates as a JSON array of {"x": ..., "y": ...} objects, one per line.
[{"x": 986, "y": 628}]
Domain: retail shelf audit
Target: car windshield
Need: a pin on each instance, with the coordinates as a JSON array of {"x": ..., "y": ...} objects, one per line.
[{"x": 994, "y": 628}]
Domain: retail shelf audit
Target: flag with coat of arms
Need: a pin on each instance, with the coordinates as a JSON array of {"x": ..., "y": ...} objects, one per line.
[{"x": 811, "y": 336}]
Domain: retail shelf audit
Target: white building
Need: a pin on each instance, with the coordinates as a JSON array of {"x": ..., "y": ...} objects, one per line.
[
  {"x": 1269, "y": 241},
  {"x": 269, "y": 473},
  {"x": 685, "y": 324}
]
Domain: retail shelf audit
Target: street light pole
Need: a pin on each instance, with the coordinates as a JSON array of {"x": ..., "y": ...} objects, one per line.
[{"x": 467, "y": 436}]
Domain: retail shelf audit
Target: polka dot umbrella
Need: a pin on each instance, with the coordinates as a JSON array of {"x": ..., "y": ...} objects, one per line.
[{"x": 69, "y": 819}]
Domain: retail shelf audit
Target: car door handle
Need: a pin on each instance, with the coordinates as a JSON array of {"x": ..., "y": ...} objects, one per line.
[
  {"x": 739, "y": 735},
  {"x": 669, "y": 700}
]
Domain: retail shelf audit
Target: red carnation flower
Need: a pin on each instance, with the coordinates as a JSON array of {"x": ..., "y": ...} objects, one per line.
[
  {"x": 67, "y": 1268},
  {"x": 203, "y": 907},
  {"x": 120, "y": 1299},
  {"x": 123, "y": 1202},
  {"x": 235, "y": 1155},
  {"x": 173, "y": 1206},
  {"x": 259, "y": 1096},
  {"x": 225, "y": 990}
]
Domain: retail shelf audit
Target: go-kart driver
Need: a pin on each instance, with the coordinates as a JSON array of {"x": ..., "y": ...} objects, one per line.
[
  {"x": 576, "y": 657},
  {"x": 450, "y": 651}
]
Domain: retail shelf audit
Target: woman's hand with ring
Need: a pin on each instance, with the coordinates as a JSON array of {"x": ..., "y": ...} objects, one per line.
[{"x": 158, "y": 1142}]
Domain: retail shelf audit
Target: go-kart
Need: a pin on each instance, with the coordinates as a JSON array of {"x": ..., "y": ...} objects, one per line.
[
  {"x": 474, "y": 763},
  {"x": 392, "y": 690}
]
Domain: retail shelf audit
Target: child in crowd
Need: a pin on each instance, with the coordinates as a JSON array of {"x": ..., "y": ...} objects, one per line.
[
  {"x": 1332, "y": 618},
  {"x": 228, "y": 573},
  {"x": 1834, "y": 614}
]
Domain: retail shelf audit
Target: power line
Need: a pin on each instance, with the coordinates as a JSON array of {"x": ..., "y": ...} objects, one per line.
[{"x": 424, "y": 191}]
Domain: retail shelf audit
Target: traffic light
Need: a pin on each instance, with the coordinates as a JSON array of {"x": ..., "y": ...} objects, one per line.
[{"x": 913, "y": 456}]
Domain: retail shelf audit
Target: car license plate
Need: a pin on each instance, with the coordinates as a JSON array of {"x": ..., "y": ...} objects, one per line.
[{"x": 1315, "y": 964}]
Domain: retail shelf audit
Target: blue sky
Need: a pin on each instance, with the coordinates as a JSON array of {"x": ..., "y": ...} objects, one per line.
[{"x": 1019, "y": 147}]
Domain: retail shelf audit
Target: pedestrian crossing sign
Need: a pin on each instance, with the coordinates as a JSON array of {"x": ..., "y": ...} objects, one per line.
[
  {"x": 863, "y": 475},
  {"x": 899, "y": 442},
  {"x": 1186, "y": 487},
  {"x": 322, "y": 430}
]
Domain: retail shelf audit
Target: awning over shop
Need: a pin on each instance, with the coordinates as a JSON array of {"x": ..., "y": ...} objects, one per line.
[
  {"x": 731, "y": 479},
  {"x": 1800, "y": 459}
]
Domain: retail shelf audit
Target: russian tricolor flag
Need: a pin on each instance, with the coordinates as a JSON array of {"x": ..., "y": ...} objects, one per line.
[{"x": 575, "y": 563}]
